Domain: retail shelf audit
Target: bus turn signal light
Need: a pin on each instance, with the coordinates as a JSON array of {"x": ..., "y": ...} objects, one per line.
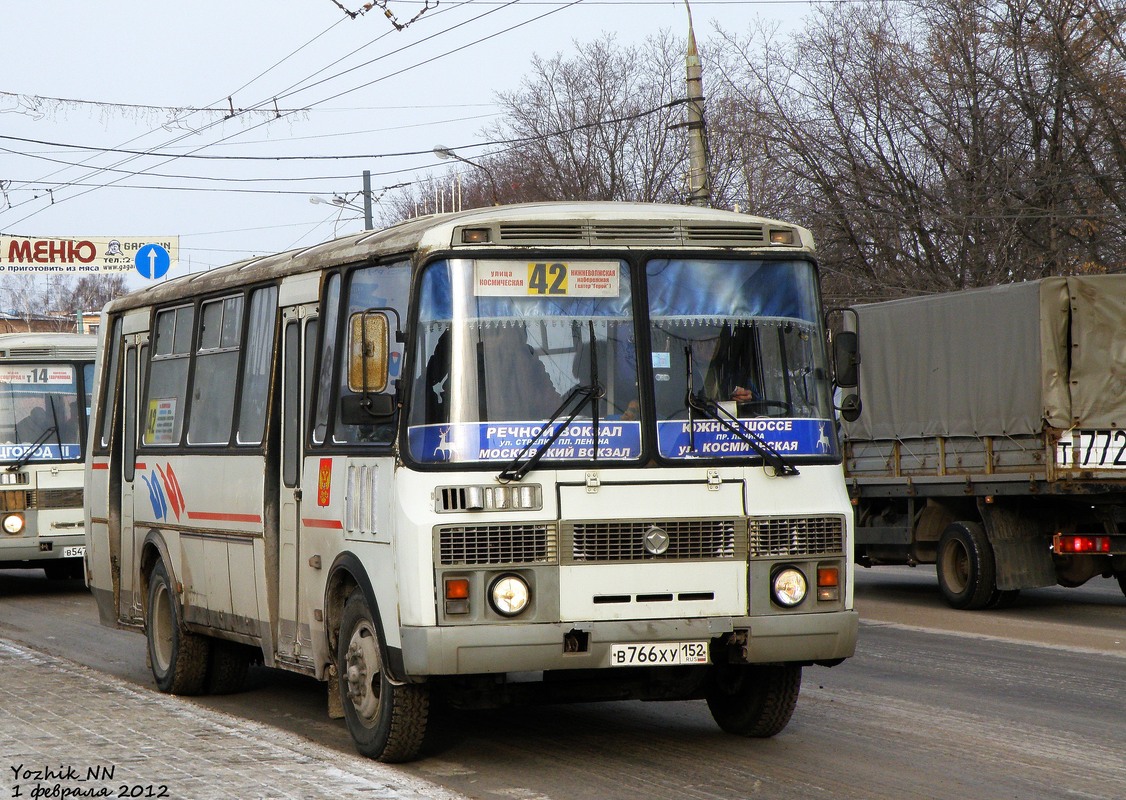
[
  {"x": 828, "y": 583},
  {"x": 457, "y": 588},
  {"x": 457, "y": 595},
  {"x": 1071, "y": 543}
]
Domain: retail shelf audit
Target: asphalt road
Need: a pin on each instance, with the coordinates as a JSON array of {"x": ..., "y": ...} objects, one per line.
[{"x": 1025, "y": 703}]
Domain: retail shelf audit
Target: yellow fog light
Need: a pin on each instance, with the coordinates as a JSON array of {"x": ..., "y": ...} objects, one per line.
[
  {"x": 13, "y": 523},
  {"x": 509, "y": 595},
  {"x": 789, "y": 587}
]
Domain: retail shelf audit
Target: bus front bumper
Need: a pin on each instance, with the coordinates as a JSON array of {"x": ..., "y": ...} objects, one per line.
[{"x": 499, "y": 648}]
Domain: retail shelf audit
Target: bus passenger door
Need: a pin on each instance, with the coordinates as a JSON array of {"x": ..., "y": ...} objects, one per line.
[
  {"x": 299, "y": 333},
  {"x": 131, "y": 603}
]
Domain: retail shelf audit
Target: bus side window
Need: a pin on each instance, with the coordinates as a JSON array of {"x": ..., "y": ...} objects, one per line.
[
  {"x": 257, "y": 358},
  {"x": 109, "y": 390},
  {"x": 167, "y": 389},
  {"x": 331, "y": 311},
  {"x": 216, "y": 363}
]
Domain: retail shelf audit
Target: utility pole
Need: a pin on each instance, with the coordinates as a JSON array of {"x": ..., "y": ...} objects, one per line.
[
  {"x": 367, "y": 200},
  {"x": 699, "y": 189}
]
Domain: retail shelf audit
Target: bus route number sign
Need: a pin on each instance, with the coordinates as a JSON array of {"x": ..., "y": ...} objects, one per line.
[
  {"x": 36, "y": 375},
  {"x": 658, "y": 654},
  {"x": 494, "y": 278}
]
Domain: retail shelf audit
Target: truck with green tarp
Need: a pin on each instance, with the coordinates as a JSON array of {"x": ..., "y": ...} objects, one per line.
[{"x": 991, "y": 439}]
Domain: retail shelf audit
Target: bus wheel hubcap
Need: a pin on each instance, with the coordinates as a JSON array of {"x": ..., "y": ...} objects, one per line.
[{"x": 363, "y": 671}]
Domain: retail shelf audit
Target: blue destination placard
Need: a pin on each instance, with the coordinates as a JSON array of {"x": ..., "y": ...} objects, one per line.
[
  {"x": 789, "y": 437},
  {"x": 503, "y": 441},
  {"x": 44, "y": 452}
]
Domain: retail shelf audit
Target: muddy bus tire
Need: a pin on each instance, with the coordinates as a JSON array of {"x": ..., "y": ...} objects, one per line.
[
  {"x": 967, "y": 572},
  {"x": 387, "y": 720},
  {"x": 753, "y": 700},
  {"x": 227, "y": 668},
  {"x": 179, "y": 657}
]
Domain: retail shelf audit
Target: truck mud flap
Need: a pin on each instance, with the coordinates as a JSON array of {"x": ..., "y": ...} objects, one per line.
[{"x": 1020, "y": 549}]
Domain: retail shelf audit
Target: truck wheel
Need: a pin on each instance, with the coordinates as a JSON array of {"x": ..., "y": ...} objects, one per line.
[
  {"x": 967, "y": 572},
  {"x": 1003, "y": 598},
  {"x": 387, "y": 720},
  {"x": 753, "y": 700},
  {"x": 1121, "y": 581},
  {"x": 178, "y": 656}
]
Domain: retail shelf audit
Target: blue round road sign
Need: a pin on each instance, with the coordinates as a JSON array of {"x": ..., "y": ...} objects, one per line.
[{"x": 152, "y": 261}]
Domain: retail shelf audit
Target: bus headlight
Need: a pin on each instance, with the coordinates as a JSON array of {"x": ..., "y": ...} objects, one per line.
[
  {"x": 789, "y": 587},
  {"x": 509, "y": 595},
  {"x": 13, "y": 523}
]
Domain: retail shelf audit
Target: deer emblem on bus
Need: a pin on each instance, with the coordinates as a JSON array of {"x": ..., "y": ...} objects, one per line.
[
  {"x": 444, "y": 447},
  {"x": 823, "y": 440}
]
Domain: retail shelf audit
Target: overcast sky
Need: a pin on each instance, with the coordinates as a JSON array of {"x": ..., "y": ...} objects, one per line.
[{"x": 86, "y": 86}]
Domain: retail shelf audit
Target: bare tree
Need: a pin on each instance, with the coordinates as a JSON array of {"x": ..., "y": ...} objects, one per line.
[
  {"x": 92, "y": 291},
  {"x": 936, "y": 146},
  {"x": 602, "y": 124}
]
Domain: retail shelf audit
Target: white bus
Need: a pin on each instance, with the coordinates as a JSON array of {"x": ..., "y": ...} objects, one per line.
[
  {"x": 45, "y": 385},
  {"x": 573, "y": 451}
]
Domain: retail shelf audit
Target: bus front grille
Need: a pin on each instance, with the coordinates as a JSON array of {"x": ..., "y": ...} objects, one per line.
[
  {"x": 530, "y": 543},
  {"x": 656, "y": 539},
  {"x": 796, "y": 536},
  {"x": 55, "y": 498}
]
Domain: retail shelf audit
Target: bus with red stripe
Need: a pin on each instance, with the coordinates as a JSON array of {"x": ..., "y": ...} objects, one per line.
[{"x": 569, "y": 451}]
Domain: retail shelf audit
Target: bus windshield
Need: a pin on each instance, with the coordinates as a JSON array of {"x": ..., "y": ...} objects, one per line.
[
  {"x": 738, "y": 352},
  {"x": 504, "y": 346},
  {"x": 39, "y": 412}
]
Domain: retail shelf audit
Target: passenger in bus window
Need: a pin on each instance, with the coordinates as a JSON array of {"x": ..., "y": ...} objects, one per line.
[
  {"x": 68, "y": 419},
  {"x": 731, "y": 371},
  {"x": 517, "y": 383},
  {"x": 34, "y": 425}
]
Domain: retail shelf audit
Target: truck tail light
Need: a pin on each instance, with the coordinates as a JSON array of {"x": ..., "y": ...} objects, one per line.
[{"x": 1072, "y": 543}]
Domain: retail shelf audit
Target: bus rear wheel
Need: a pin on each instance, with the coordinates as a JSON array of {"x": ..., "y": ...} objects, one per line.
[
  {"x": 753, "y": 700},
  {"x": 179, "y": 657},
  {"x": 387, "y": 719}
]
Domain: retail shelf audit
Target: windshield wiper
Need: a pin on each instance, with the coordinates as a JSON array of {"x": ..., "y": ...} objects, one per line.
[
  {"x": 713, "y": 410},
  {"x": 591, "y": 392},
  {"x": 29, "y": 452},
  {"x": 518, "y": 467},
  {"x": 22, "y": 460}
]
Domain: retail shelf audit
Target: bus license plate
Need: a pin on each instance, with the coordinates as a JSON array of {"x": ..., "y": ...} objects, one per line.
[
  {"x": 74, "y": 551},
  {"x": 658, "y": 654}
]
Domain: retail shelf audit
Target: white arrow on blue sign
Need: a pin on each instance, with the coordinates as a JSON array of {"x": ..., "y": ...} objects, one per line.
[{"x": 152, "y": 261}]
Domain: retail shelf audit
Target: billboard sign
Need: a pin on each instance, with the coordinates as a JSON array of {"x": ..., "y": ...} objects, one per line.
[{"x": 80, "y": 254}]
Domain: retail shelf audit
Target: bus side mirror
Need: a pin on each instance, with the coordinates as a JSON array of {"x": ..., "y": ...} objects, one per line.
[
  {"x": 368, "y": 351},
  {"x": 358, "y": 409},
  {"x": 846, "y": 363},
  {"x": 850, "y": 408},
  {"x": 846, "y": 359}
]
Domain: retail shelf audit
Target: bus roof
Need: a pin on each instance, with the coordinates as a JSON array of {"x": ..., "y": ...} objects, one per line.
[
  {"x": 48, "y": 345},
  {"x": 574, "y": 225}
]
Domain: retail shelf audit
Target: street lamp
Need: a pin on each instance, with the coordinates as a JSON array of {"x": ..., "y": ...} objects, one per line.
[
  {"x": 444, "y": 153},
  {"x": 342, "y": 202}
]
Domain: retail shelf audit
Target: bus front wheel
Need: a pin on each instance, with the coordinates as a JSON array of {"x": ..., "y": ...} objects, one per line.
[
  {"x": 179, "y": 657},
  {"x": 387, "y": 719},
  {"x": 755, "y": 700}
]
